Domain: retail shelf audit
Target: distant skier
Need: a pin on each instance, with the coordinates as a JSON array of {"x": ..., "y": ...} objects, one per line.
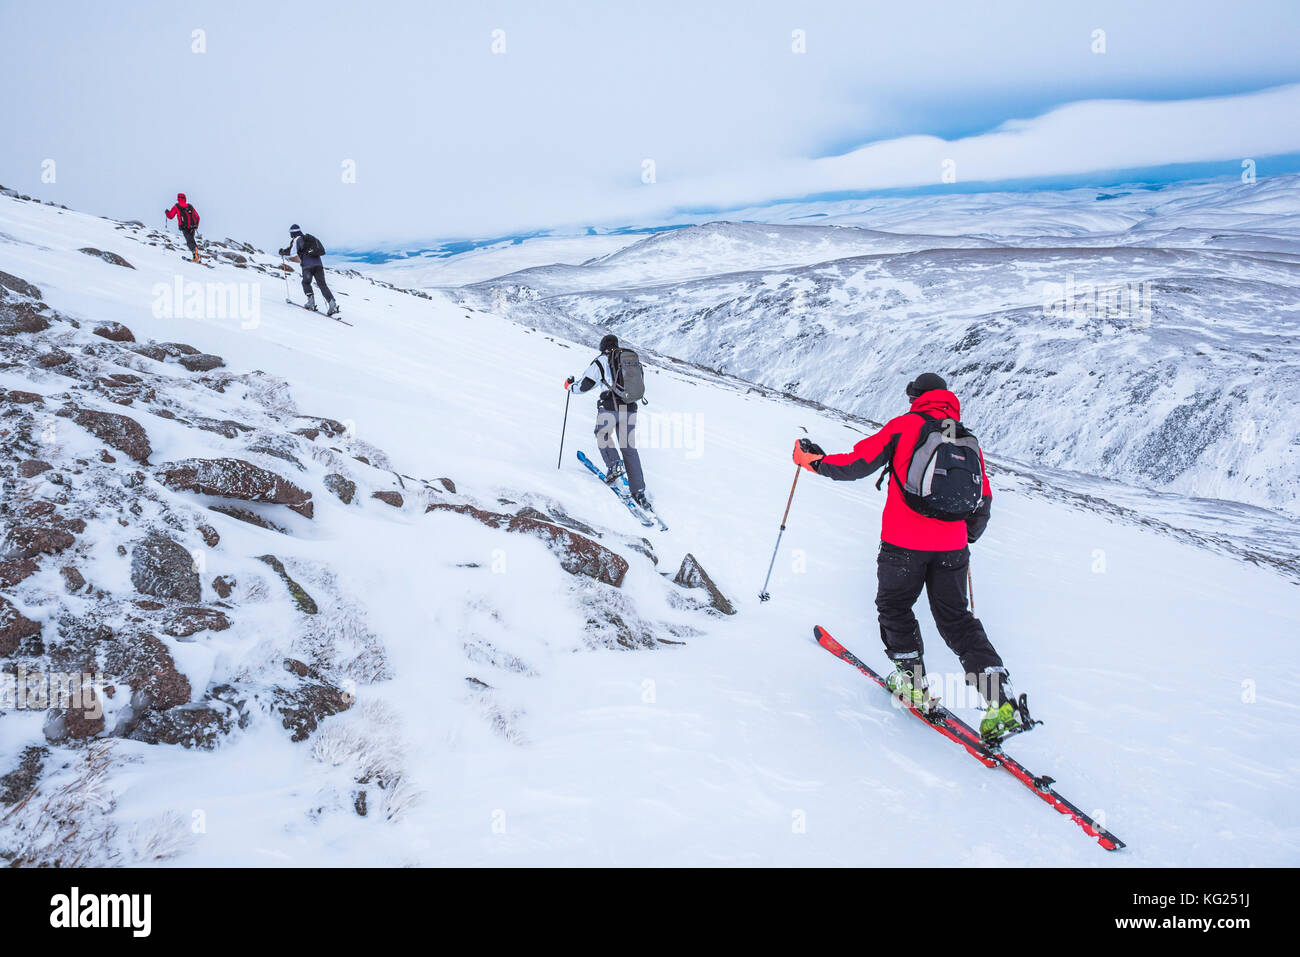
[
  {"x": 933, "y": 465},
  {"x": 307, "y": 249},
  {"x": 187, "y": 218},
  {"x": 618, "y": 370}
]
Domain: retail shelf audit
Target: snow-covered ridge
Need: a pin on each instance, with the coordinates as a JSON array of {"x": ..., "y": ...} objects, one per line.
[
  {"x": 1158, "y": 345},
  {"x": 468, "y": 684}
]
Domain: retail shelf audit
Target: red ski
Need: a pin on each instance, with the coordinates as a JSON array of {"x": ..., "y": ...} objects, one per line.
[{"x": 955, "y": 729}]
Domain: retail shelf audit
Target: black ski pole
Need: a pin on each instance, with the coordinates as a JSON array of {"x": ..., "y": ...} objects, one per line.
[
  {"x": 970, "y": 584},
  {"x": 559, "y": 458},
  {"x": 763, "y": 595}
]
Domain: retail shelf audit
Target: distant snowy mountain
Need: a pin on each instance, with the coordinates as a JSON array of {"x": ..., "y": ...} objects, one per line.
[
  {"x": 344, "y": 609},
  {"x": 1151, "y": 336}
]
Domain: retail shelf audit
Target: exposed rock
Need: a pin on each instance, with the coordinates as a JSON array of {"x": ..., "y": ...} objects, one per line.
[
  {"x": 235, "y": 478},
  {"x": 50, "y": 537},
  {"x": 578, "y": 554},
  {"x": 20, "y": 286},
  {"x": 306, "y": 604},
  {"x": 189, "y": 725},
  {"x": 165, "y": 569},
  {"x": 148, "y": 668},
  {"x": 330, "y": 427},
  {"x": 190, "y": 620},
  {"x": 249, "y": 516},
  {"x": 225, "y": 427},
  {"x": 14, "y": 627},
  {"x": 692, "y": 575},
  {"x": 73, "y": 580},
  {"x": 392, "y": 498},
  {"x": 12, "y": 572},
  {"x": 108, "y": 257},
  {"x": 85, "y": 721},
  {"x": 210, "y": 536},
  {"x": 53, "y": 358},
  {"x": 306, "y": 703},
  {"x": 114, "y": 331},
  {"x": 202, "y": 362},
  {"x": 19, "y": 317},
  {"x": 21, "y": 781},
  {"x": 119, "y": 431},
  {"x": 342, "y": 487},
  {"x": 33, "y": 467},
  {"x": 24, "y": 398},
  {"x": 448, "y": 484},
  {"x": 223, "y": 585}
]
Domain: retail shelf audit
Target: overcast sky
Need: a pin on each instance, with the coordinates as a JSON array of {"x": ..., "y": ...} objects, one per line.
[{"x": 450, "y": 139}]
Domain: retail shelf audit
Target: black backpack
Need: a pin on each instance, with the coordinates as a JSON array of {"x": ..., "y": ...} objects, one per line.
[
  {"x": 629, "y": 380},
  {"x": 944, "y": 477},
  {"x": 310, "y": 246},
  {"x": 185, "y": 216}
]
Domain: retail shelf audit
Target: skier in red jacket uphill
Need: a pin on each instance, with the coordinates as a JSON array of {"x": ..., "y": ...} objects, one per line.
[
  {"x": 187, "y": 218},
  {"x": 917, "y": 551}
]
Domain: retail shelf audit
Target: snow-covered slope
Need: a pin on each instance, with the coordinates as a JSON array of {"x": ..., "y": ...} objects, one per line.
[
  {"x": 492, "y": 706},
  {"x": 1146, "y": 337}
]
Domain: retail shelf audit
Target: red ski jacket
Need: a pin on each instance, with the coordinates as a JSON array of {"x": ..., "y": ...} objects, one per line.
[
  {"x": 189, "y": 216},
  {"x": 894, "y": 444}
]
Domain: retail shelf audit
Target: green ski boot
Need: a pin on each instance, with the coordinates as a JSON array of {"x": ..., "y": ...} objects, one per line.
[
  {"x": 901, "y": 682},
  {"x": 1000, "y": 721}
]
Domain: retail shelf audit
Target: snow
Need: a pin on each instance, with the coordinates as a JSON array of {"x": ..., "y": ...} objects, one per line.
[{"x": 1164, "y": 669}]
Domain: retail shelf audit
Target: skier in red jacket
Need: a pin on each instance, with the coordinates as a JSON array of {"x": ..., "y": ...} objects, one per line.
[
  {"x": 920, "y": 552},
  {"x": 187, "y": 218}
]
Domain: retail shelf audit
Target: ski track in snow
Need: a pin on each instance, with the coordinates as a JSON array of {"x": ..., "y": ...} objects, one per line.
[{"x": 746, "y": 745}]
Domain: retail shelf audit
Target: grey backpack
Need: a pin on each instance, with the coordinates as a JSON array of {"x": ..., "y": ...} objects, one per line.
[
  {"x": 629, "y": 380},
  {"x": 945, "y": 476}
]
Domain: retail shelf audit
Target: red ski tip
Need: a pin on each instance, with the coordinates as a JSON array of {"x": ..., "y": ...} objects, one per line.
[{"x": 826, "y": 641}]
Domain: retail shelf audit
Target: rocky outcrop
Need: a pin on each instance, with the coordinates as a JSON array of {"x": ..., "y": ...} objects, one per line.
[
  {"x": 21, "y": 286},
  {"x": 33, "y": 467},
  {"x": 14, "y": 627},
  {"x": 692, "y": 575},
  {"x": 118, "y": 431},
  {"x": 344, "y": 489},
  {"x": 305, "y": 702},
  {"x": 148, "y": 667},
  {"x": 578, "y": 554},
  {"x": 114, "y": 332},
  {"x": 389, "y": 498},
  {"x": 108, "y": 257},
  {"x": 189, "y": 725},
  {"x": 17, "y": 317},
  {"x": 237, "y": 479},
  {"x": 223, "y": 585},
  {"x": 164, "y": 568},
  {"x": 306, "y": 604},
  {"x": 190, "y": 620}
]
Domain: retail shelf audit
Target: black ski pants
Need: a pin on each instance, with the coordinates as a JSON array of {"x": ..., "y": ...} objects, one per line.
[
  {"x": 316, "y": 272},
  {"x": 189, "y": 239},
  {"x": 902, "y": 573},
  {"x": 616, "y": 433}
]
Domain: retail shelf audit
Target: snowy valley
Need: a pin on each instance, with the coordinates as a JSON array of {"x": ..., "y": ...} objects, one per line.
[{"x": 347, "y": 610}]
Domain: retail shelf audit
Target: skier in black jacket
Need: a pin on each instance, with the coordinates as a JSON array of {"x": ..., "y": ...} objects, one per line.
[{"x": 300, "y": 250}]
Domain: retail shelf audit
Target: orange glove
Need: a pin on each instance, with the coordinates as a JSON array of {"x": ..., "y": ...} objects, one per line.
[{"x": 807, "y": 454}]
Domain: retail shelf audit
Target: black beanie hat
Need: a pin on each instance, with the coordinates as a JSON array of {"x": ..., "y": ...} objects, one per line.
[
  {"x": 294, "y": 230},
  {"x": 925, "y": 382},
  {"x": 608, "y": 343}
]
